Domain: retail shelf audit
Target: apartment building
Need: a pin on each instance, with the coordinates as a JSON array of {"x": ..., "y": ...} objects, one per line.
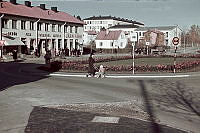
[
  {"x": 96, "y": 23},
  {"x": 40, "y": 29}
]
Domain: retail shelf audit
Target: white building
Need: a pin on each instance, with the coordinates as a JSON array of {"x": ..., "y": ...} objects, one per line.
[
  {"x": 169, "y": 33},
  {"x": 111, "y": 40},
  {"x": 40, "y": 28},
  {"x": 97, "y": 23},
  {"x": 88, "y": 37}
]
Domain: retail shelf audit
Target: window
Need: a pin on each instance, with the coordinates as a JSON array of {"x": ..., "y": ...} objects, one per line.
[
  {"x": 53, "y": 27},
  {"x": 121, "y": 44},
  {"x": 166, "y": 34},
  {"x": 31, "y": 25},
  {"x": 101, "y": 44},
  {"x": 59, "y": 43},
  {"x": 65, "y": 28},
  {"x": 46, "y": 27},
  {"x": 71, "y": 28},
  {"x": 39, "y": 26},
  {"x": 140, "y": 34},
  {"x": 5, "y": 23},
  {"x": 111, "y": 44},
  {"x": 59, "y": 28},
  {"x": 76, "y": 29},
  {"x": 14, "y": 24},
  {"x": 23, "y": 25}
]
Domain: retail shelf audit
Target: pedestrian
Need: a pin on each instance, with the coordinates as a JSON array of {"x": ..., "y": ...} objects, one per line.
[
  {"x": 101, "y": 73},
  {"x": 91, "y": 69},
  {"x": 48, "y": 57},
  {"x": 14, "y": 55}
]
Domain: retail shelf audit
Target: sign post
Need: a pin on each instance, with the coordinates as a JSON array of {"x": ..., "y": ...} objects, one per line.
[
  {"x": 147, "y": 44},
  {"x": 133, "y": 44},
  {"x": 175, "y": 41},
  {"x": 1, "y": 44}
]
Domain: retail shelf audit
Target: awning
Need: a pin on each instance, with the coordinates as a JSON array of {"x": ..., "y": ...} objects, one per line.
[{"x": 11, "y": 41}]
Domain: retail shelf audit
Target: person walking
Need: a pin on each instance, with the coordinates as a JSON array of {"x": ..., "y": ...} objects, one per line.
[
  {"x": 48, "y": 57},
  {"x": 14, "y": 55},
  {"x": 91, "y": 69}
]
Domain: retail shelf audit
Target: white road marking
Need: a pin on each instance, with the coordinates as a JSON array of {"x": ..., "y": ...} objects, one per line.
[
  {"x": 123, "y": 76},
  {"x": 105, "y": 119}
]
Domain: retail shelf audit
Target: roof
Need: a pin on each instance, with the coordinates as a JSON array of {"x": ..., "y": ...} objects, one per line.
[
  {"x": 111, "y": 35},
  {"x": 154, "y": 31},
  {"x": 157, "y": 28},
  {"x": 124, "y": 26},
  {"x": 113, "y": 18},
  {"x": 91, "y": 32},
  {"x": 36, "y": 12}
]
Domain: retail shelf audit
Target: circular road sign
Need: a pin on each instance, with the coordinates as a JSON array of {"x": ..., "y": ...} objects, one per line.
[{"x": 175, "y": 41}]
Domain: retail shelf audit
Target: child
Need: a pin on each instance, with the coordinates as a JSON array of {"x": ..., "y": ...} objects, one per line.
[{"x": 101, "y": 73}]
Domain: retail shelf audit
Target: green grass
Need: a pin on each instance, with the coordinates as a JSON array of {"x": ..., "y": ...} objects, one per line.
[{"x": 147, "y": 61}]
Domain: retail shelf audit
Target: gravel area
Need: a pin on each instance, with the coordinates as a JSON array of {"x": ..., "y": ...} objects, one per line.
[{"x": 124, "y": 109}]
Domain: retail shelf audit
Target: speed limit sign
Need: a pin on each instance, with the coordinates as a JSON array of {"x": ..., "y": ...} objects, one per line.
[{"x": 175, "y": 40}]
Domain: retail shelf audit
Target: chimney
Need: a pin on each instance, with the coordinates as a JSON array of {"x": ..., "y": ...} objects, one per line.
[
  {"x": 13, "y": 1},
  {"x": 54, "y": 9},
  {"x": 42, "y": 6},
  {"x": 27, "y": 3}
]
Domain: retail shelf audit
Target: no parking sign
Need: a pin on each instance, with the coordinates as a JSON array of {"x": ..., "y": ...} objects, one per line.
[{"x": 175, "y": 40}]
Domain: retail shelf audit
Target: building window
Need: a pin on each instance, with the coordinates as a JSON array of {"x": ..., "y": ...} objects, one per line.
[
  {"x": 167, "y": 34},
  {"x": 71, "y": 29},
  {"x": 101, "y": 44},
  {"x": 39, "y": 26},
  {"x": 140, "y": 34},
  {"x": 14, "y": 24},
  {"x": 4, "y": 23},
  {"x": 76, "y": 29},
  {"x": 31, "y": 25},
  {"x": 46, "y": 27},
  {"x": 65, "y": 28},
  {"x": 121, "y": 44},
  {"x": 53, "y": 27},
  {"x": 59, "y": 28},
  {"x": 111, "y": 44},
  {"x": 59, "y": 43},
  {"x": 23, "y": 25}
]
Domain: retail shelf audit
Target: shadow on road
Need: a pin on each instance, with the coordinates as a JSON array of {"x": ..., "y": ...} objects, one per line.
[
  {"x": 155, "y": 127},
  {"x": 177, "y": 95},
  {"x": 16, "y": 73}
]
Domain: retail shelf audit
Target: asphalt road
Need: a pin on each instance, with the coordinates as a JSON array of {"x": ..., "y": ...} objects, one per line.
[{"x": 20, "y": 91}]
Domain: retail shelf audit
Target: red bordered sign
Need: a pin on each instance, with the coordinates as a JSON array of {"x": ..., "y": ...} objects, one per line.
[{"x": 175, "y": 40}]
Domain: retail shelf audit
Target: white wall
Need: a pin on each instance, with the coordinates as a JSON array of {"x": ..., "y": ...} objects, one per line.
[{"x": 106, "y": 44}]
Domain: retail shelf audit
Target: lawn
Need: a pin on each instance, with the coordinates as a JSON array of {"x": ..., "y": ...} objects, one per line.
[{"x": 145, "y": 61}]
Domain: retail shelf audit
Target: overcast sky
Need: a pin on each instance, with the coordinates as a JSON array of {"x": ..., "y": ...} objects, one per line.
[{"x": 150, "y": 12}]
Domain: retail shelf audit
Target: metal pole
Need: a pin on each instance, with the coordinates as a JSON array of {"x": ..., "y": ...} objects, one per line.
[
  {"x": 184, "y": 43},
  {"x": 1, "y": 33},
  {"x": 175, "y": 60},
  {"x": 133, "y": 44}
]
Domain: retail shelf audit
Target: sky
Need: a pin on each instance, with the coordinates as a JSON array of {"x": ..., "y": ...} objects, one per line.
[{"x": 150, "y": 12}]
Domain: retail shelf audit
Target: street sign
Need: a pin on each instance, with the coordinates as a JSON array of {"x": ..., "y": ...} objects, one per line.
[
  {"x": 175, "y": 41},
  {"x": 2, "y": 42}
]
